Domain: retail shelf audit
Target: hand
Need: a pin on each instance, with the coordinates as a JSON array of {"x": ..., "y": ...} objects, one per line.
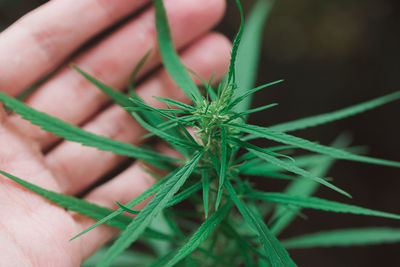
[{"x": 33, "y": 231}]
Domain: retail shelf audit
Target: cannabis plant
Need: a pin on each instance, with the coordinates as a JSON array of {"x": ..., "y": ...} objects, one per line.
[{"x": 210, "y": 209}]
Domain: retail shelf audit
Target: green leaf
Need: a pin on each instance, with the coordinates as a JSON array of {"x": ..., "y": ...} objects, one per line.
[
  {"x": 283, "y": 214},
  {"x": 127, "y": 209},
  {"x": 240, "y": 239},
  {"x": 248, "y": 93},
  {"x": 149, "y": 192},
  {"x": 249, "y": 155},
  {"x": 245, "y": 113},
  {"x": 119, "y": 98},
  {"x": 236, "y": 43},
  {"x": 318, "y": 203},
  {"x": 127, "y": 259},
  {"x": 127, "y": 103},
  {"x": 176, "y": 103},
  {"x": 25, "y": 94},
  {"x": 257, "y": 167},
  {"x": 132, "y": 77},
  {"x": 172, "y": 224},
  {"x": 249, "y": 50},
  {"x": 170, "y": 58},
  {"x": 336, "y": 115},
  {"x": 124, "y": 101},
  {"x": 153, "y": 208},
  {"x": 140, "y": 106},
  {"x": 288, "y": 166},
  {"x": 308, "y": 145},
  {"x": 75, "y": 134},
  {"x": 278, "y": 256},
  {"x": 184, "y": 194},
  {"x": 210, "y": 90},
  {"x": 201, "y": 234},
  {"x": 160, "y": 262},
  {"x": 75, "y": 204},
  {"x": 85, "y": 208},
  {"x": 153, "y": 119},
  {"x": 302, "y": 187},
  {"x": 345, "y": 237},
  {"x": 224, "y": 166},
  {"x": 167, "y": 137},
  {"x": 206, "y": 190}
]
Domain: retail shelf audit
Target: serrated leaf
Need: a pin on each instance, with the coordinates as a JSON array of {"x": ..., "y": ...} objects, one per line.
[
  {"x": 167, "y": 137},
  {"x": 153, "y": 119},
  {"x": 224, "y": 166},
  {"x": 288, "y": 166},
  {"x": 258, "y": 167},
  {"x": 149, "y": 192},
  {"x": 74, "y": 204},
  {"x": 123, "y": 100},
  {"x": 232, "y": 231},
  {"x": 206, "y": 190},
  {"x": 249, "y": 156},
  {"x": 175, "y": 103},
  {"x": 75, "y": 134},
  {"x": 153, "y": 208},
  {"x": 185, "y": 194},
  {"x": 83, "y": 207},
  {"x": 308, "y": 145},
  {"x": 336, "y": 115},
  {"x": 170, "y": 58},
  {"x": 318, "y": 203},
  {"x": 283, "y": 214},
  {"x": 277, "y": 255},
  {"x": 201, "y": 234},
  {"x": 302, "y": 187},
  {"x": 345, "y": 237}
]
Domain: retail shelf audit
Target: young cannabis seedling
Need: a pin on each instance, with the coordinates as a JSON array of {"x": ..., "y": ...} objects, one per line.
[{"x": 225, "y": 224}]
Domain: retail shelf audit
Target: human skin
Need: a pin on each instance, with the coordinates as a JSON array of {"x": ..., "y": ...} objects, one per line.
[{"x": 33, "y": 231}]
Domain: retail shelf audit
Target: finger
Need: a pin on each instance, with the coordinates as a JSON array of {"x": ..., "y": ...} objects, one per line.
[
  {"x": 21, "y": 157},
  {"x": 72, "y": 98},
  {"x": 137, "y": 180},
  {"x": 41, "y": 40},
  {"x": 77, "y": 166},
  {"x": 123, "y": 188}
]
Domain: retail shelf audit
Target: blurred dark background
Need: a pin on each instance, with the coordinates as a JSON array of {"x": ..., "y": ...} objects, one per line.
[{"x": 331, "y": 54}]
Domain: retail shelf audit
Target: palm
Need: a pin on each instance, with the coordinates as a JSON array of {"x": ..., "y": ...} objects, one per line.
[
  {"x": 33, "y": 231},
  {"x": 26, "y": 217}
]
